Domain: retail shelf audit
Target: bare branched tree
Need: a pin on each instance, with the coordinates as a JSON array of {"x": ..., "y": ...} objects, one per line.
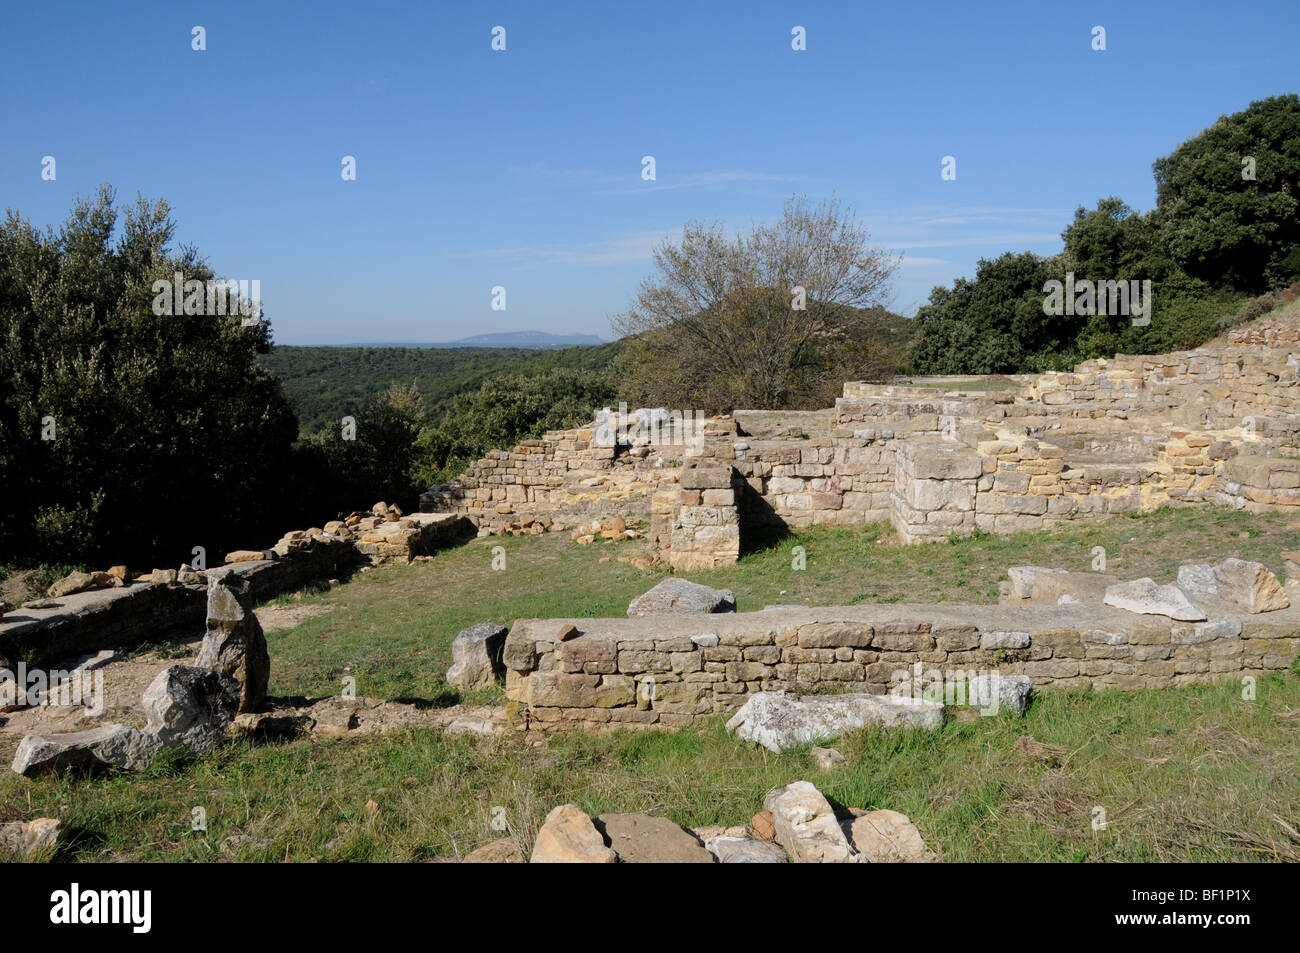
[{"x": 775, "y": 318}]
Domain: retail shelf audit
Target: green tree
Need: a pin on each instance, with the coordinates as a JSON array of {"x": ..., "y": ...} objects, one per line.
[
  {"x": 166, "y": 433},
  {"x": 505, "y": 410},
  {"x": 1227, "y": 228},
  {"x": 778, "y": 317},
  {"x": 993, "y": 324}
]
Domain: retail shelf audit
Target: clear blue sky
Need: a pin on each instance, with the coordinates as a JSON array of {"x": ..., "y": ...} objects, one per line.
[{"x": 523, "y": 168}]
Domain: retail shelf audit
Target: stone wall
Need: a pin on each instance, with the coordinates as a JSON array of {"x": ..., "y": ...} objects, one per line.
[
  {"x": 674, "y": 669},
  {"x": 148, "y": 610},
  {"x": 1217, "y": 424}
]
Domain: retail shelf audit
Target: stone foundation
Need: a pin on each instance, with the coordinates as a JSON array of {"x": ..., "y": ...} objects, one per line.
[{"x": 674, "y": 670}]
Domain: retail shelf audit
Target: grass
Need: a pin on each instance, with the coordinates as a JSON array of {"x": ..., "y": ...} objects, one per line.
[
  {"x": 392, "y": 628},
  {"x": 1189, "y": 774},
  {"x": 1195, "y": 773}
]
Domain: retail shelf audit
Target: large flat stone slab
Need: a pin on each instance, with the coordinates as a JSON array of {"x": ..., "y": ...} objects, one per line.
[{"x": 782, "y": 720}]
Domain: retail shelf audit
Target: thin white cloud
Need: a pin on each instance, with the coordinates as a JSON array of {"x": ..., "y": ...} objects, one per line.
[
  {"x": 1005, "y": 238},
  {"x": 629, "y": 182},
  {"x": 613, "y": 251}
]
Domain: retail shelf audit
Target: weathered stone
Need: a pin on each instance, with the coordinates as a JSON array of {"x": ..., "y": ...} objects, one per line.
[
  {"x": 835, "y": 634},
  {"x": 886, "y": 837},
  {"x": 476, "y": 655},
  {"x": 503, "y": 851},
  {"x": 1198, "y": 579},
  {"x": 642, "y": 839},
  {"x": 1022, "y": 579},
  {"x": 30, "y": 839},
  {"x": 827, "y": 759},
  {"x": 190, "y": 707},
  {"x": 1250, "y": 585},
  {"x": 761, "y": 825},
  {"x": 806, "y": 826},
  {"x": 569, "y": 837},
  {"x": 71, "y": 583},
  {"x": 675, "y": 595},
  {"x": 1145, "y": 597},
  {"x": 234, "y": 644},
  {"x": 744, "y": 850},
  {"x": 782, "y": 720},
  {"x": 1004, "y": 640},
  {"x": 117, "y": 746},
  {"x": 995, "y": 691}
]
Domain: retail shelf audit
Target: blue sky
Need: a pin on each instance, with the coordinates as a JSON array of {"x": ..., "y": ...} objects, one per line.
[{"x": 522, "y": 168}]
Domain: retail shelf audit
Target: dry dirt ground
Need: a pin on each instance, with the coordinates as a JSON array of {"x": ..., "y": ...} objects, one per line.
[{"x": 123, "y": 683}]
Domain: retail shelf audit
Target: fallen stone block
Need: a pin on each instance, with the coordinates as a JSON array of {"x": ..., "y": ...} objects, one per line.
[
  {"x": 569, "y": 837},
  {"x": 886, "y": 837},
  {"x": 72, "y": 583},
  {"x": 30, "y": 839},
  {"x": 783, "y": 720},
  {"x": 744, "y": 850},
  {"x": 189, "y": 707},
  {"x": 642, "y": 839},
  {"x": 1022, "y": 579},
  {"x": 116, "y": 746},
  {"x": 1250, "y": 585},
  {"x": 1145, "y": 597},
  {"x": 674, "y": 595},
  {"x": 806, "y": 826},
  {"x": 476, "y": 655}
]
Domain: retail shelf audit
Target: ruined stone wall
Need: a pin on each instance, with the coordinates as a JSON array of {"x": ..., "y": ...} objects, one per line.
[
  {"x": 1216, "y": 424},
  {"x": 674, "y": 669}
]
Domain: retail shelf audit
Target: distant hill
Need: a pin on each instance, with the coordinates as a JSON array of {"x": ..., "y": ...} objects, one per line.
[
  {"x": 528, "y": 339},
  {"x": 324, "y": 383},
  {"x": 525, "y": 339}
]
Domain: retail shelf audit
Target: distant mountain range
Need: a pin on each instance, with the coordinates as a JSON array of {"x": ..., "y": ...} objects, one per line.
[{"x": 532, "y": 339}]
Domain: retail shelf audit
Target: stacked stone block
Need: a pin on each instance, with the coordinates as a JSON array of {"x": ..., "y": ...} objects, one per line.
[{"x": 674, "y": 670}]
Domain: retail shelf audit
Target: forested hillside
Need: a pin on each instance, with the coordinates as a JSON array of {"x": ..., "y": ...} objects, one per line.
[{"x": 325, "y": 383}]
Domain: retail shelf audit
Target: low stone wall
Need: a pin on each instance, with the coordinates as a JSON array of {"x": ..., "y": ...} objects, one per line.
[
  {"x": 59, "y": 628},
  {"x": 672, "y": 670}
]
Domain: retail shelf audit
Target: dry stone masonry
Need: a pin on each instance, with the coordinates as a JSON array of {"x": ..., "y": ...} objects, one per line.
[
  {"x": 1053, "y": 629},
  {"x": 1218, "y": 424}
]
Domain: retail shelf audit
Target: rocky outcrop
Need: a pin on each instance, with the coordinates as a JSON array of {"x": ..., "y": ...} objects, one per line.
[{"x": 782, "y": 720}]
